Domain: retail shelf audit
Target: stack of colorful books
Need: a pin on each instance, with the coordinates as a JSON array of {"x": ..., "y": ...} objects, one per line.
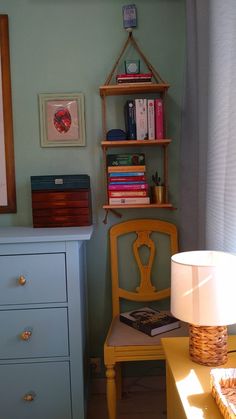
[{"x": 127, "y": 182}]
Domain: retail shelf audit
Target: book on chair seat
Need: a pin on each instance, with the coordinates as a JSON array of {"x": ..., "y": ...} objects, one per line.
[{"x": 149, "y": 321}]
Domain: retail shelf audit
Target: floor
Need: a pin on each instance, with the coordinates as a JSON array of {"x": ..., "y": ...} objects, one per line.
[{"x": 144, "y": 398}]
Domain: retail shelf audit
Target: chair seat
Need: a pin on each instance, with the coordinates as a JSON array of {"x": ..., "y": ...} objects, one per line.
[{"x": 121, "y": 334}]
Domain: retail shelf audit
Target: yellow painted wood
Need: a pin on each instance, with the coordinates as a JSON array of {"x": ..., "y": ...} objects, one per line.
[
  {"x": 144, "y": 292},
  {"x": 188, "y": 383},
  {"x": 112, "y": 207},
  {"x": 135, "y": 143},
  {"x": 132, "y": 88},
  {"x": 111, "y": 391}
]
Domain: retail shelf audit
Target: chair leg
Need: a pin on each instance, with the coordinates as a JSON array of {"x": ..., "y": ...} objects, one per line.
[
  {"x": 111, "y": 391},
  {"x": 118, "y": 381}
]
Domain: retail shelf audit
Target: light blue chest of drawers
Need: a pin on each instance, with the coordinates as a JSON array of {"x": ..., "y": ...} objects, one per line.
[{"x": 43, "y": 322}]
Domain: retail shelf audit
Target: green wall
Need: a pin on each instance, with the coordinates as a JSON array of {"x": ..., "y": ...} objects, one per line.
[{"x": 60, "y": 46}]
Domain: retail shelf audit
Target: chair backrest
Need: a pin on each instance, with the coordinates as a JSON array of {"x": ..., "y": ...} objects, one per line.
[{"x": 143, "y": 229}]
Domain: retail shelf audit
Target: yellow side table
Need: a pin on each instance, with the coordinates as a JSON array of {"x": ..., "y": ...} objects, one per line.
[{"x": 188, "y": 383}]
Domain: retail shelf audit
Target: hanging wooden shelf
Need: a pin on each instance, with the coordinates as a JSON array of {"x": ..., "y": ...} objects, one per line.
[
  {"x": 132, "y": 88},
  {"x": 111, "y": 88},
  {"x": 135, "y": 143},
  {"x": 166, "y": 206}
]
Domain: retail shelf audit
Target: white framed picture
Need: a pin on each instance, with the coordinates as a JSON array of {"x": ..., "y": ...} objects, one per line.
[{"x": 62, "y": 119}]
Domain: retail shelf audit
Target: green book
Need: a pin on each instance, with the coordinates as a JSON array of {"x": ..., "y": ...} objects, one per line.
[{"x": 134, "y": 159}]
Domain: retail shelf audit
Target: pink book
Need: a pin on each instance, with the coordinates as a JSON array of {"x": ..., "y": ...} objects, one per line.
[
  {"x": 151, "y": 119},
  {"x": 127, "y": 179},
  {"x": 159, "y": 119},
  {"x": 128, "y": 187}
]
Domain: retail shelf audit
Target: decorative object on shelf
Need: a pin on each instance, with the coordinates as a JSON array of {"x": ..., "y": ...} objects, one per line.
[
  {"x": 203, "y": 295},
  {"x": 158, "y": 194},
  {"x": 132, "y": 66},
  {"x": 62, "y": 121},
  {"x": 157, "y": 190},
  {"x": 223, "y": 389},
  {"x": 7, "y": 167},
  {"x": 129, "y": 16},
  {"x": 156, "y": 179},
  {"x": 116, "y": 135}
]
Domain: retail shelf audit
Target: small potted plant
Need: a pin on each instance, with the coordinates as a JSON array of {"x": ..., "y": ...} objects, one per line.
[{"x": 158, "y": 196}]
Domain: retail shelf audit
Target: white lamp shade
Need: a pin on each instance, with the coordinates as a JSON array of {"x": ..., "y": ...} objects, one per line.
[{"x": 203, "y": 287}]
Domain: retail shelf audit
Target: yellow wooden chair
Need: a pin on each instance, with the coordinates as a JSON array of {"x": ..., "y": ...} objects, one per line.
[{"x": 124, "y": 343}]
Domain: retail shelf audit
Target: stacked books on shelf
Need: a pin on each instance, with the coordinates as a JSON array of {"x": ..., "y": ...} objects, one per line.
[
  {"x": 149, "y": 321},
  {"x": 134, "y": 78},
  {"x": 127, "y": 182},
  {"x": 144, "y": 119}
]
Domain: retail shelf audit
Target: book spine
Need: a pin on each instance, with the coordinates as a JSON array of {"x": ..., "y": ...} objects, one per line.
[
  {"x": 127, "y": 187},
  {"x": 127, "y": 183},
  {"x": 125, "y": 159},
  {"x": 128, "y": 194},
  {"x": 120, "y": 169},
  {"x": 126, "y": 179},
  {"x": 144, "y": 329},
  {"x": 134, "y": 76},
  {"x": 159, "y": 119},
  {"x": 136, "y": 325},
  {"x": 141, "y": 119},
  {"x": 130, "y": 122},
  {"x": 144, "y": 80},
  {"x": 129, "y": 200},
  {"x": 151, "y": 119},
  {"x": 127, "y": 174},
  {"x": 126, "y": 320}
]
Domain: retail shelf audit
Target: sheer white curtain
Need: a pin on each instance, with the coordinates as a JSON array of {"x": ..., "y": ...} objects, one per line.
[{"x": 208, "y": 146}]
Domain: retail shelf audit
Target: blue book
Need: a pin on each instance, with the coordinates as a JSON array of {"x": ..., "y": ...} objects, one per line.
[
  {"x": 117, "y": 174},
  {"x": 126, "y": 183},
  {"x": 130, "y": 121}
]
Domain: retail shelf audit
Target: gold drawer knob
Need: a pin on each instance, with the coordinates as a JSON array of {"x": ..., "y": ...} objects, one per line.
[
  {"x": 26, "y": 335},
  {"x": 29, "y": 397},
  {"x": 22, "y": 280}
]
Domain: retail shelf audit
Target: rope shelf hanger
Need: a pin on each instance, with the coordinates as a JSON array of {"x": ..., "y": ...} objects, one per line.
[{"x": 131, "y": 40}]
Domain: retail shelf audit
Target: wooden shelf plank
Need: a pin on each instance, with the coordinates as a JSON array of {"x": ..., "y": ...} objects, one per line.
[
  {"x": 132, "y": 88},
  {"x": 136, "y": 143},
  {"x": 168, "y": 206}
]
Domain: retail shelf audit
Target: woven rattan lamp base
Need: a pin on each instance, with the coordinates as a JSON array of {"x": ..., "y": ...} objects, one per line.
[{"x": 208, "y": 344}]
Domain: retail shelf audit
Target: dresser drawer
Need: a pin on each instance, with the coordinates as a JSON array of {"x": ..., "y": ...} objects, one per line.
[
  {"x": 48, "y": 384},
  {"x": 33, "y": 333},
  {"x": 44, "y": 274}
]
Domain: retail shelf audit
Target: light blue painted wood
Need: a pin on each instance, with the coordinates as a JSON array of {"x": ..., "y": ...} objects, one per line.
[
  {"x": 49, "y": 333},
  {"x": 50, "y": 382},
  {"x": 75, "y": 254},
  {"x": 44, "y": 274},
  {"x": 29, "y": 234},
  {"x": 54, "y": 308}
]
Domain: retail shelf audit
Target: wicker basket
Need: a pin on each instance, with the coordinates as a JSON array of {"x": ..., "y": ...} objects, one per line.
[{"x": 223, "y": 389}]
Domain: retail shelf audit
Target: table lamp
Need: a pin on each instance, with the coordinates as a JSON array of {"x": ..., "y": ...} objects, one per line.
[{"x": 203, "y": 294}]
